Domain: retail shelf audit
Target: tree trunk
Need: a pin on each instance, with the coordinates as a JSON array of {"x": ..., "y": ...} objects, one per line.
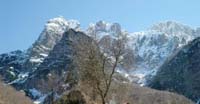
[{"x": 103, "y": 101}]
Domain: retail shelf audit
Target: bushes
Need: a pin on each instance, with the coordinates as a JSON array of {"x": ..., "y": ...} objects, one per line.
[{"x": 74, "y": 97}]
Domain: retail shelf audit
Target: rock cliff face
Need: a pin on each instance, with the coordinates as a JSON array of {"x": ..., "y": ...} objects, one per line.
[
  {"x": 11, "y": 65},
  {"x": 49, "y": 37},
  {"x": 58, "y": 65},
  {"x": 181, "y": 73},
  {"x": 16, "y": 66}
]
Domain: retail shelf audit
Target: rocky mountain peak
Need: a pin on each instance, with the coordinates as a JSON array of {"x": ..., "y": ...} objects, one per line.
[
  {"x": 100, "y": 29},
  {"x": 105, "y": 26},
  {"x": 60, "y": 24},
  {"x": 54, "y": 30},
  {"x": 49, "y": 37},
  {"x": 172, "y": 28}
]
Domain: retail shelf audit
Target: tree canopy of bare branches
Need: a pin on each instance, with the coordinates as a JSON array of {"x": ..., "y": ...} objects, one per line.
[{"x": 98, "y": 60}]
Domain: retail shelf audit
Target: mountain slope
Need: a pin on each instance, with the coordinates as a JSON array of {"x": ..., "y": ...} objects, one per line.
[
  {"x": 10, "y": 96},
  {"x": 11, "y": 65},
  {"x": 135, "y": 94},
  {"x": 147, "y": 49},
  {"x": 18, "y": 65},
  {"x": 181, "y": 73},
  {"x": 49, "y": 37},
  {"x": 121, "y": 93},
  {"x": 57, "y": 72}
]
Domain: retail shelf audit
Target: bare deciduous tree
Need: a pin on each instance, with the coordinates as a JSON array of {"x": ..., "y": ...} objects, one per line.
[{"x": 97, "y": 62}]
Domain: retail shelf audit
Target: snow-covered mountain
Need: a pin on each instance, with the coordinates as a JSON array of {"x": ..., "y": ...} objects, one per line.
[
  {"x": 154, "y": 46},
  {"x": 16, "y": 66},
  {"x": 56, "y": 68},
  {"x": 147, "y": 51},
  {"x": 49, "y": 37},
  {"x": 100, "y": 29},
  {"x": 149, "y": 48}
]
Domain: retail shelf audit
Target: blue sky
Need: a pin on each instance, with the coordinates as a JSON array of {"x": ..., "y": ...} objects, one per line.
[{"x": 21, "y": 21}]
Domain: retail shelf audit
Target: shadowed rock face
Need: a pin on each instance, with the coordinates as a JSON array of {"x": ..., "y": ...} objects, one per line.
[
  {"x": 55, "y": 69},
  {"x": 50, "y": 36},
  {"x": 11, "y": 65},
  {"x": 181, "y": 72},
  {"x": 16, "y": 65}
]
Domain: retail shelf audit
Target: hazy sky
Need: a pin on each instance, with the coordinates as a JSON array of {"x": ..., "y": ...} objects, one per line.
[{"x": 21, "y": 21}]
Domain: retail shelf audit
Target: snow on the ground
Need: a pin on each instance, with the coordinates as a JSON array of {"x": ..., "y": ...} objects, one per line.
[
  {"x": 11, "y": 67},
  {"x": 139, "y": 75},
  {"x": 142, "y": 74},
  {"x": 40, "y": 100},
  {"x": 198, "y": 102},
  {"x": 43, "y": 54},
  {"x": 122, "y": 72},
  {"x": 23, "y": 75},
  {"x": 21, "y": 78},
  {"x": 11, "y": 72},
  {"x": 37, "y": 94},
  {"x": 36, "y": 60}
]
